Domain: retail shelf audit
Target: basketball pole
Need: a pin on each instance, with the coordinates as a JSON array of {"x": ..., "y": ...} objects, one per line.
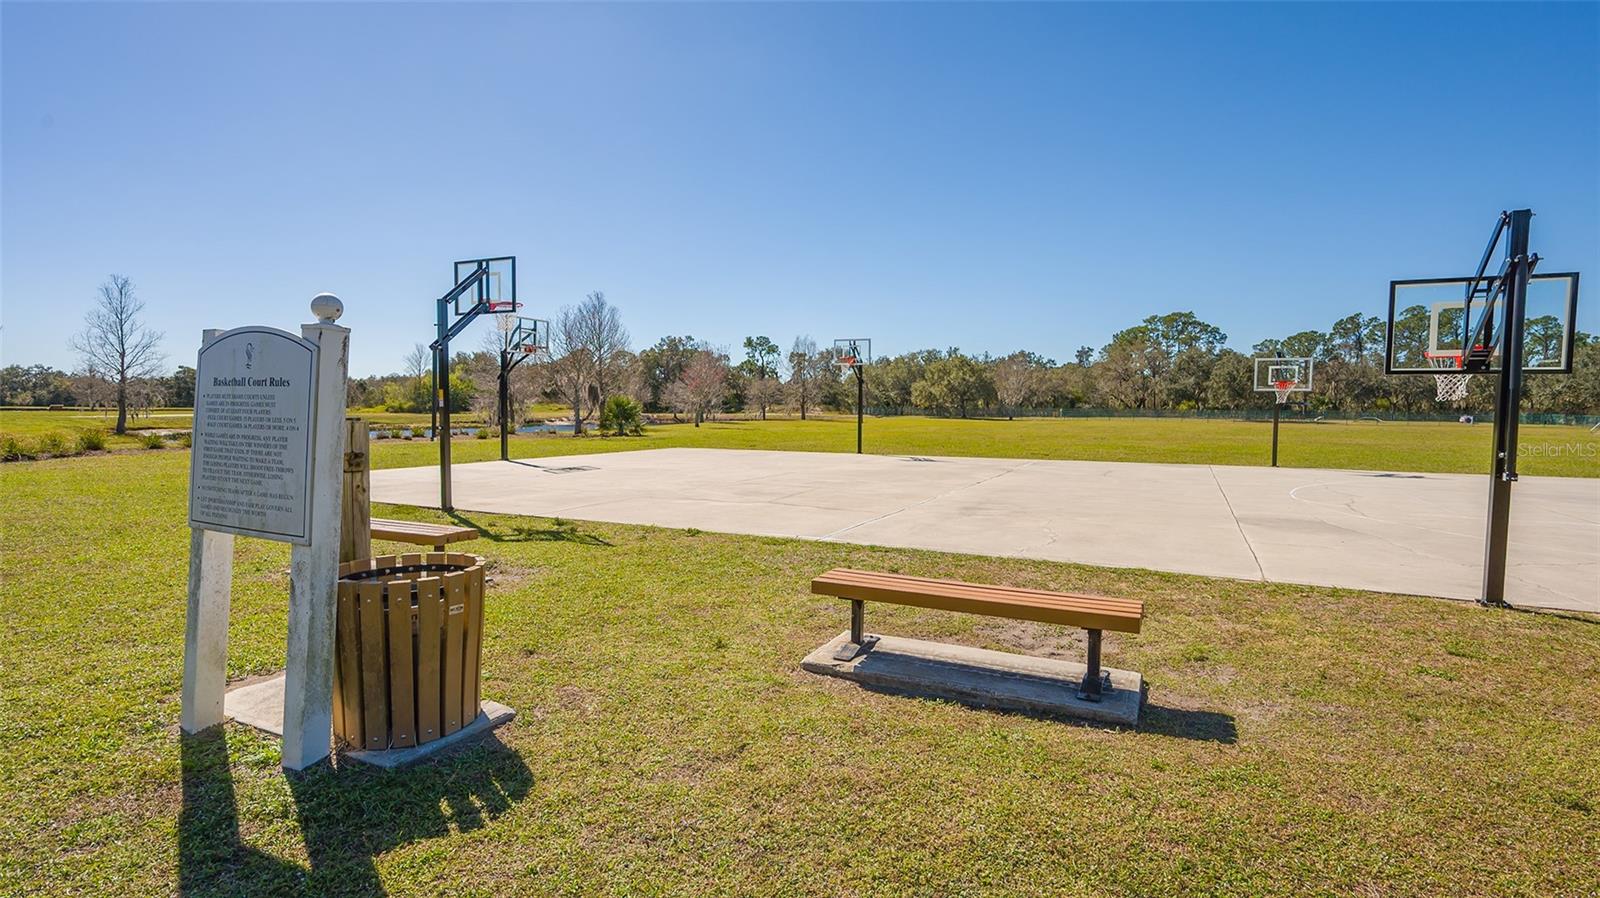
[
  {"x": 441, "y": 369},
  {"x": 1507, "y": 410},
  {"x": 441, "y": 397},
  {"x": 505, "y": 402},
  {"x": 861, "y": 402},
  {"x": 1277, "y": 408}
]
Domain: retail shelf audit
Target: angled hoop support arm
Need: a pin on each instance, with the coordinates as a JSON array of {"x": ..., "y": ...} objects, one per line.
[{"x": 461, "y": 323}]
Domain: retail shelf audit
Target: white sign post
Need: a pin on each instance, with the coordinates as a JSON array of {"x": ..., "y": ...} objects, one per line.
[{"x": 268, "y": 462}]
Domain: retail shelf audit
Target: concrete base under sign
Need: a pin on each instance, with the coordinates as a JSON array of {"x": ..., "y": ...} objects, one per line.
[
  {"x": 982, "y": 677},
  {"x": 259, "y": 703}
]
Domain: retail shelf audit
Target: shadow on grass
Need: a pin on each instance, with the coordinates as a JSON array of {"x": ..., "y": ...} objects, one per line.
[
  {"x": 347, "y": 817},
  {"x": 1202, "y": 726},
  {"x": 1582, "y": 617},
  {"x": 557, "y": 531}
]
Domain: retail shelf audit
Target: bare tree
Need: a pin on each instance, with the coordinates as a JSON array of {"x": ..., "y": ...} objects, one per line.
[
  {"x": 763, "y": 393},
  {"x": 419, "y": 361},
  {"x": 802, "y": 372},
  {"x": 418, "y": 366},
  {"x": 572, "y": 371},
  {"x": 592, "y": 361},
  {"x": 91, "y": 389},
  {"x": 633, "y": 382},
  {"x": 527, "y": 379},
  {"x": 1014, "y": 382},
  {"x": 606, "y": 339},
  {"x": 114, "y": 340},
  {"x": 702, "y": 387},
  {"x": 144, "y": 396}
]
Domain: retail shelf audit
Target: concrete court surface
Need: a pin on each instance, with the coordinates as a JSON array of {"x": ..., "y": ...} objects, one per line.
[{"x": 1405, "y": 533}]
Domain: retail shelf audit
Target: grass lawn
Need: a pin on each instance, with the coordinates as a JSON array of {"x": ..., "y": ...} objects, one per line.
[
  {"x": 30, "y": 424},
  {"x": 1297, "y": 741},
  {"x": 1565, "y": 451}
]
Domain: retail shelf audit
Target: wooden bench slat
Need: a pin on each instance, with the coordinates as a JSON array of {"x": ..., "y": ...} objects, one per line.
[
  {"x": 1090, "y": 612},
  {"x": 418, "y": 527},
  {"x": 421, "y": 533},
  {"x": 847, "y": 577},
  {"x": 1058, "y": 609}
]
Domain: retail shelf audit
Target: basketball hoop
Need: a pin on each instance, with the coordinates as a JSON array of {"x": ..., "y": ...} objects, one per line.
[
  {"x": 1451, "y": 382},
  {"x": 849, "y": 362},
  {"x": 1283, "y": 388},
  {"x": 504, "y": 307}
]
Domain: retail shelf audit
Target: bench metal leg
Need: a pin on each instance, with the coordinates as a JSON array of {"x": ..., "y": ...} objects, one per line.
[
  {"x": 859, "y": 640},
  {"x": 1094, "y": 681}
]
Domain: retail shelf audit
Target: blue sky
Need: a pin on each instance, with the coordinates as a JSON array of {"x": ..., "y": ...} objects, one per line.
[{"x": 990, "y": 177}]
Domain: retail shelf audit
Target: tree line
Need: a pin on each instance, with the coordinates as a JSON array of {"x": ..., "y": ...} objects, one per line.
[{"x": 1171, "y": 362}]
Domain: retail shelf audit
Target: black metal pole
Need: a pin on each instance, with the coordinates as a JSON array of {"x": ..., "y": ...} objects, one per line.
[
  {"x": 433, "y": 404},
  {"x": 1507, "y": 410},
  {"x": 441, "y": 402},
  {"x": 505, "y": 378},
  {"x": 1276, "y": 409},
  {"x": 861, "y": 403},
  {"x": 1090, "y": 690}
]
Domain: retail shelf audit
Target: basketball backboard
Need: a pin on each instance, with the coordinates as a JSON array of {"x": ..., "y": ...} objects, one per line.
[
  {"x": 496, "y": 290},
  {"x": 854, "y": 352},
  {"x": 1283, "y": 376},
  {"x": 530, "y": 336},
  {"x": 1434, "y": 324}
]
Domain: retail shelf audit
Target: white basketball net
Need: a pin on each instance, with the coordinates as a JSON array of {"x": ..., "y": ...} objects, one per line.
[
  {"x": 1283, "y": 388},
  {"x": 1451, "y": 382},
  {"x": 505, "y": 324}
]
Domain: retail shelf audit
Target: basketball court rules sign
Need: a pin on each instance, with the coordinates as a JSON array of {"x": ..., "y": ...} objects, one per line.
[
  {"x": 267, "y": 462},
  {"x": 254, "y": 428}
]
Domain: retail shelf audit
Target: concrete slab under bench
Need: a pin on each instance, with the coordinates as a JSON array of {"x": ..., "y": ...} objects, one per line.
[{"x": 981, "y": 677}]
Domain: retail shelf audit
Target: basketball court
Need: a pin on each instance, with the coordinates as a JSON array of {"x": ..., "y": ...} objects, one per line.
[{"x": 1405, "y": 533}]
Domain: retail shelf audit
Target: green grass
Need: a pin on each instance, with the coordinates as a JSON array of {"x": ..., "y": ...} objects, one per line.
[
  {"x": 1297, "y": 741},
  {"x": 1563, "y": 451},
  {"x": 31, "y": 426},
  {"x": 35, "y": 427}
]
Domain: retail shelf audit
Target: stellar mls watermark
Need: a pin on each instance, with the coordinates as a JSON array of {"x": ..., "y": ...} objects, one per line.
[{"x": 1589, "y": 449}]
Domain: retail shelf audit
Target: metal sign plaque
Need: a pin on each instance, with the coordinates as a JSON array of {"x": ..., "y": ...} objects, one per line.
[{"x": 254, "y": 423}]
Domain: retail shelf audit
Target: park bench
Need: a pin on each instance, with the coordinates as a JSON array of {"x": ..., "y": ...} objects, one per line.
[
  {"x": 418, "y": 533},
  {"x": 1093, "y": 613}
]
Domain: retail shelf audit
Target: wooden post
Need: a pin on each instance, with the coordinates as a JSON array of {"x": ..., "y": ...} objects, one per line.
[{"x": 355, "y": 514}]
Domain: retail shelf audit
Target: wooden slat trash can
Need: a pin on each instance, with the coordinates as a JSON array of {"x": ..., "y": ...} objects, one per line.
[{"x": 409, "y": 639}]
